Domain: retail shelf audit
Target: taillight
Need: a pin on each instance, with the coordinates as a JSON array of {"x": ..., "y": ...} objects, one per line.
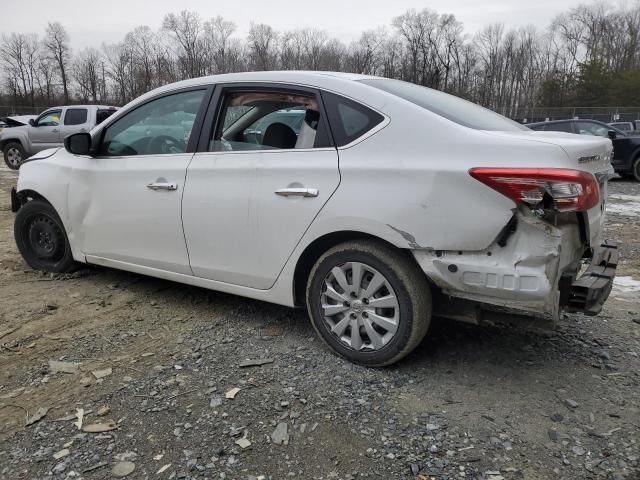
[{"x": 569, "y": 190}]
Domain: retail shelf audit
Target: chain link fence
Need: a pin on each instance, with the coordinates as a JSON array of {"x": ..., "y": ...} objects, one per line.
[
  {"x": 604, "y": 114},
  {"x": 13, "y": 110}
]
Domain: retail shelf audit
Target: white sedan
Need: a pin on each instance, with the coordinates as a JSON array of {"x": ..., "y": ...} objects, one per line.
[{"x": 375, "y": 203}]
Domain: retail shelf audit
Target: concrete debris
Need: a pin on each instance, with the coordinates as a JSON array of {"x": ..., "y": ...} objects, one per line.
[
  {"x": 255, "y": 363},
  {"x": 105, "y": 372},
  {"x": 56, "y": 366},
  {"x": 38, "y": 415},
  {"x": 280, "y": 435},
  {"x": 231, "y": 394},
  {"x": 123, "y": 469}
]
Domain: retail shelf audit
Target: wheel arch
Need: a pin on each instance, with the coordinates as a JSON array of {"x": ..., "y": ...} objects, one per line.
[
  {"x": 318, "y": 247},
  {"x": 5, "y": 141},
  {"x": 27, "y": 195}
]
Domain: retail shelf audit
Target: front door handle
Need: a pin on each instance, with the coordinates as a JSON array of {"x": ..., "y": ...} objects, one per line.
[
  {"x": 163, "y": 186},
  {"x": 298, "y": 192}
]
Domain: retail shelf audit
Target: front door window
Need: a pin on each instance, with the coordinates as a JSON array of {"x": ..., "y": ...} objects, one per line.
[
  {"x": 161, "y": 126},
  {"x": 49, "y": 119}
]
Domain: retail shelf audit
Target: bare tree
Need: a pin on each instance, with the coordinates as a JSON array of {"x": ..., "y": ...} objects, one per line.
[
  {"x": 262, "y": 46},
  {"x": 20, "y": 56},
  {"x": 87, "y": 74},
  {"x": 56, "y": 42},
  {"x": 221, "y": 47},
  {"x": 186, "y": 29}
]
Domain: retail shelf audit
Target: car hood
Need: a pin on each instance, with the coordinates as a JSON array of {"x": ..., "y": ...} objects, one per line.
[
  {"x": 49, "y": 152},
  {"x": 18, "y": 120}
]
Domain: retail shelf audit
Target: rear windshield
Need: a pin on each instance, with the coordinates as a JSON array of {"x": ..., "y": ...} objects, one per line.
[{"x": 448, "y": 106}]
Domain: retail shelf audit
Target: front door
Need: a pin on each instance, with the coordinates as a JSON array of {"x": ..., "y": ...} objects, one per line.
[
  {"x": 267, "y": 169},
  {"x": 128, "y": 198},
  {"x": 46, "y": 131}
]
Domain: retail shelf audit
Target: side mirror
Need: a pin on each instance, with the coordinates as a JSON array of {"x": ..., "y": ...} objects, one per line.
[
  {"x": 32, "y": 122},
  {"x": 78, "y": 143},
  {"x": 611, "y": 134}
]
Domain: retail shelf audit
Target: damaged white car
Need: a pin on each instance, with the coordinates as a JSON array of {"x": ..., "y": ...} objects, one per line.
[{"x": 375, "y": 203}]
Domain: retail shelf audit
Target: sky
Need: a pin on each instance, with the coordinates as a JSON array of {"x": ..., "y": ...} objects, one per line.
[{"x": 91, "y": 22}]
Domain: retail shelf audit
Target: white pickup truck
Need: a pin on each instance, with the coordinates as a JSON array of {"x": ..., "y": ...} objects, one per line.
[{"x": 48, "y": 130}]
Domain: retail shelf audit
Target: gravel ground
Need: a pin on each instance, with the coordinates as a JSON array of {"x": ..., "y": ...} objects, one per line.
[{"x": 154, "y": 364}]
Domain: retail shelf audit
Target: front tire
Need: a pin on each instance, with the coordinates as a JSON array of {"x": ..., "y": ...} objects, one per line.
[
  {"x": 369, "y": 302},
  {"x": 41, "y": 238},
  {"x": 13, "y": 155}
]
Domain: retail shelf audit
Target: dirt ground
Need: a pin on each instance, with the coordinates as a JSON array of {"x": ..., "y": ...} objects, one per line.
[{"x": 487, "y": 402}]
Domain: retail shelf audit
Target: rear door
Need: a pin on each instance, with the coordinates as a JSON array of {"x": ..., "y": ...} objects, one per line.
[
  {"x": 250, "y": 198},
  {"x": 76, "y": 119}
]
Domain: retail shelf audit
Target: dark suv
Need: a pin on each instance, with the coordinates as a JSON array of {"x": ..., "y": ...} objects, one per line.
[{"x": 626, "y": 146}]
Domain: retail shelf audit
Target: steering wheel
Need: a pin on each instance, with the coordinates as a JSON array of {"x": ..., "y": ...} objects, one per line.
[{"x": 166, "y": 144}]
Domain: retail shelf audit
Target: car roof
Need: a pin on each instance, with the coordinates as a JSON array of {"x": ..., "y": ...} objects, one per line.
[
  {"x": 552, "y": 122},
  {"x": 316, "y": 79},
  {"x": 109, "y": 107}
]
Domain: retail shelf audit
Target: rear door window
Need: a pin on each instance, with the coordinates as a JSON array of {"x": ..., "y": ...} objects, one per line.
[
  {"x": 75, "y": 116},
  {"x": 349, "y": 120},
  {"x": 267, "y": 120}
]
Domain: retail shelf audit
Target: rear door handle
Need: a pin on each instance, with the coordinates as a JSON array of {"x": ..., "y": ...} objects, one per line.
[
  {"x": 163, "y": 186},
  {"x": 297, "y": 192}
]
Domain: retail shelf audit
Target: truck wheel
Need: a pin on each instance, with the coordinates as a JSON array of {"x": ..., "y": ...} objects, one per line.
[
  {"x": 13, "y": 155},
  {"x": 369, "y": 302},
  {"x": 41, "y": 238}
]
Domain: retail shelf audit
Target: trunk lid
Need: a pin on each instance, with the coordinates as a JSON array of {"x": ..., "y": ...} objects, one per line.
[{"x": 586, "y": 153}]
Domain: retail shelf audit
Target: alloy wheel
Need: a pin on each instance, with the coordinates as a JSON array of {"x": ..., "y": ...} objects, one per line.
[{"x": 14, "y": 157}]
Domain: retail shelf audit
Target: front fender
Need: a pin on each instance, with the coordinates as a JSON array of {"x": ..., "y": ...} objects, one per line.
[
  {"x": 49, "y": 179},
  {"x": 11, "y": 135}
]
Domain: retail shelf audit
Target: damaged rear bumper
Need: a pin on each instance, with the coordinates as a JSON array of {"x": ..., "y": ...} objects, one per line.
[
  {"x": 588, "y": 293},
  {"x": 534, "y": 271}
]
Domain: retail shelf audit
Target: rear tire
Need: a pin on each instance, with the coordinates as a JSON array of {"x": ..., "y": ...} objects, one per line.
[
  {"x": 41, "y": 238},
  {"x": 635, "y": 169},
  {"x": 378, "y": 319},
  {"x": 13, "y": 155}
]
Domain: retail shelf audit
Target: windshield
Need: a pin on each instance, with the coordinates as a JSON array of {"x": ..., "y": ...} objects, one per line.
[{"x": 448, "y": 106}]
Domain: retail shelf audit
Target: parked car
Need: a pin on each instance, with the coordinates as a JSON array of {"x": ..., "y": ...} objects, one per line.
[
  {"x": 623, "y": 126},
  {"x": 626, "y": 146},
  {"x": 391, "y": 202},
  {"x": 48, "y": 130}
]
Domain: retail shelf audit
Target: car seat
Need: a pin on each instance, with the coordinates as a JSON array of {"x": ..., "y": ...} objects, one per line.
[{"x": 279, "y": 135}]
